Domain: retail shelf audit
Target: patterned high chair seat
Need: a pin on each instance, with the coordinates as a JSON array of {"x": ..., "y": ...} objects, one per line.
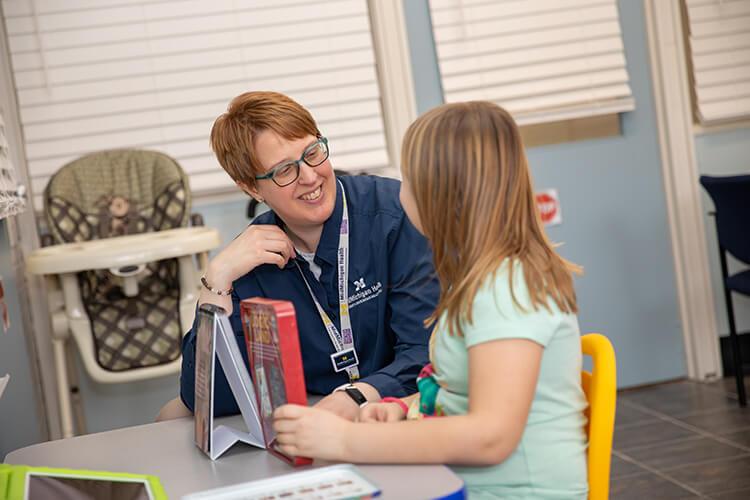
[{"x": 116, "y": 193}]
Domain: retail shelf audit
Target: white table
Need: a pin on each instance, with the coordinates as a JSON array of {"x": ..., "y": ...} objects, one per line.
[{"x": 166, "y": 449}]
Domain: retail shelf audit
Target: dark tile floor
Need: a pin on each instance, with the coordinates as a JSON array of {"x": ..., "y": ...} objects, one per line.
[{"x": 681, "y": 440}]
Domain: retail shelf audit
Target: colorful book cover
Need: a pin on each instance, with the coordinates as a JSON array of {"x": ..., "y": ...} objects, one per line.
[{"x": 272, "y": 339}]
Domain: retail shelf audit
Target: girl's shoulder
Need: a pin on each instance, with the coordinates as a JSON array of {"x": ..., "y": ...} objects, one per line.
[
  {"x": 505, "y": 286},
  {"x": 503, "y": 308}
]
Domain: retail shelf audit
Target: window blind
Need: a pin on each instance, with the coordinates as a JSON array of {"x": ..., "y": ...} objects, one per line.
[
  {"x": 104, "y": 74},
  {"x": 543, "y": 61},
  {"x": 719, "y": 40}
]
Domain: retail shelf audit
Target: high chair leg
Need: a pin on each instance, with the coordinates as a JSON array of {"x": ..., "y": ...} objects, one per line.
[
  {"x": 63, "y": 389},
  {"x": 75, "y": 392}
]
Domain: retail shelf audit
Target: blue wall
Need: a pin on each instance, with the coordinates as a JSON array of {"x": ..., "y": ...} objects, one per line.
[
  {"x": 614, "y": 213},
  {"x": 724, "y": 153}
]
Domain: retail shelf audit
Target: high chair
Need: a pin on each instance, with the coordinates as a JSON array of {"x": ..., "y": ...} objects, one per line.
[
  {"x": 600, "y": 387},
  {"x": 121, "y": 268}
]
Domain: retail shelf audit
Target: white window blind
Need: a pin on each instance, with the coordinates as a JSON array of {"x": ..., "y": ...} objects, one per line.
[
  {"x": 720, "y": 51},
  {"x": 104, "y": 74},
  {"x": 542, "y": 60}
]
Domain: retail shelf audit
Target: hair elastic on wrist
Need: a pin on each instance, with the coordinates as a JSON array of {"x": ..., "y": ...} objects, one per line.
[
  {"x": 212, "y": 290},
  {"x": 398, "y": 402}
]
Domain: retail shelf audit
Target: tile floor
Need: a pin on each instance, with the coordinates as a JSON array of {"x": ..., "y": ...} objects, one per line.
[{"x": 682, "y": 440}]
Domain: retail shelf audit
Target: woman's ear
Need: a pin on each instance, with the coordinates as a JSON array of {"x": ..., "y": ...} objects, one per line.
[{"x": 251, "y": 191}]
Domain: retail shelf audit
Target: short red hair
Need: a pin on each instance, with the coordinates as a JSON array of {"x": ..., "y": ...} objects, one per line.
[{"x": 234, "y": 132}]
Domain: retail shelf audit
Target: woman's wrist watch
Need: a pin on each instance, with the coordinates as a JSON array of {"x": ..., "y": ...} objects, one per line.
[{"x": 354, "y": 393}]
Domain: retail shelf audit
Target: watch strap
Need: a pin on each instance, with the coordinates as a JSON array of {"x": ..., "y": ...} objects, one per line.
[{"x": 354, "y": 393}]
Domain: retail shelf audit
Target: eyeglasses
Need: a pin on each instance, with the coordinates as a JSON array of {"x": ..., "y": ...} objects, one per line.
[{"x": 286, "y": 173}]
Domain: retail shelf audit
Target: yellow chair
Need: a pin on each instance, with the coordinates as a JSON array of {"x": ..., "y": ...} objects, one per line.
[{"x": 600, "y": 388}]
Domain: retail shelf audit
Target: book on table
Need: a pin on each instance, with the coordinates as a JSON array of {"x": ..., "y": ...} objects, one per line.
[
  {"x": 273, "y": 349},
  {"x": 270, "y": 334}
]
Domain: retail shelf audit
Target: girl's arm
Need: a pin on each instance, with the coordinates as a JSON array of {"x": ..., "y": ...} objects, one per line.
[
  {"x": 386, "y": 411},
  {"x": 502, "y": 380}
]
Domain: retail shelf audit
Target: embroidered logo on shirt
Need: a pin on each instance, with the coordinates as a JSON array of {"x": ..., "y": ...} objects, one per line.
[
  {"x": 360, "y": 284},
  {"x": 364, "y": 293}
]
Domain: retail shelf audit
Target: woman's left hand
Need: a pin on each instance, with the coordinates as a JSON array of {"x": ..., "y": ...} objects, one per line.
[
  {"x": 311, "y": 432},
  {"x": 339, "y": 404}
]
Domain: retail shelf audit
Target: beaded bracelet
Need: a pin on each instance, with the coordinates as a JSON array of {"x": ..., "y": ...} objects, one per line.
[
  {"x": 398, "y": 402},
  {"x": 217, "y": 292}
]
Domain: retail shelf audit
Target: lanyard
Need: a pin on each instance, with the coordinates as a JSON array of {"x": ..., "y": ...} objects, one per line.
[{"x": 345, "y": 357}]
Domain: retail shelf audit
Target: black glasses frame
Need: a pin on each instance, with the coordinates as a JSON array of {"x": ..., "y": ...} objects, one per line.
[{"x": 271, "y": 174}]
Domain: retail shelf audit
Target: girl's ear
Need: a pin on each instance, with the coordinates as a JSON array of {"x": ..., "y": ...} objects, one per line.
[{"x": 251, "y": 191}]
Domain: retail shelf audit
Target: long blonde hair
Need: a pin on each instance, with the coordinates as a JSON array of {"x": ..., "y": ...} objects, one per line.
[{"x": 470, "y": 179}]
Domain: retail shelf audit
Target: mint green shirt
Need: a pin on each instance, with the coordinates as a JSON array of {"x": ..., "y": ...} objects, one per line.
[{"x": 550, "y": 461}]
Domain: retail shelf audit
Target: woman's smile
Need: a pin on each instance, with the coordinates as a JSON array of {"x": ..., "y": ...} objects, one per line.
[{"x": 313, "y": 196}]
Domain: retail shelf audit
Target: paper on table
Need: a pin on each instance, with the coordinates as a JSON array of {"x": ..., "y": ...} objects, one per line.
[
  {"x": 216, "y": 342},
  {"x": 335, "y": 482},
  {"x": 239, "y": 379}
]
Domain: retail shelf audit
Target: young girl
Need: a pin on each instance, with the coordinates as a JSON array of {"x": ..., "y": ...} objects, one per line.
[{"x": 505, "y": 352}]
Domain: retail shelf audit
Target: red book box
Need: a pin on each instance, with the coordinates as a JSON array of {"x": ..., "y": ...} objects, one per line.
[{"x": 272, "y": 340}]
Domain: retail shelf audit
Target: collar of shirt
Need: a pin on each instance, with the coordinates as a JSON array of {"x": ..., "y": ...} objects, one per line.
[{"x": 329, "y": 239}]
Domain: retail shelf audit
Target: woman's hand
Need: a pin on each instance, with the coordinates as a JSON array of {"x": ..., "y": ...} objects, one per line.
[
  {"x": 311, "y": 432},
  {"x": 381, "y": 412},
  {"x": 339, "y": 403},
  {"x": 258, "y": 244}
]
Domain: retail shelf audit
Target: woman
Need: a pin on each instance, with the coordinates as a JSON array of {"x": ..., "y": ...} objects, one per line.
[
  {"x": 502, "y": 398},
  {"x": 273, "y": 150}
]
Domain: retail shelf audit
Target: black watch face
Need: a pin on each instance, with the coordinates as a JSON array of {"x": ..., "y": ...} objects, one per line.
[{"x": 356, "y": 395}]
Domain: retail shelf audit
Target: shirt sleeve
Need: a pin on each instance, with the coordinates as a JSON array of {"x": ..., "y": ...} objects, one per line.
[
  {"x": 224, "y": 402},
  {"x": 412, "y": 295},
  {"x": 496, "y": 316}
]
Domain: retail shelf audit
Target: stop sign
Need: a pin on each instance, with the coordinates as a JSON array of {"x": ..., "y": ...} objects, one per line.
[{"x": 548, "y": 204}]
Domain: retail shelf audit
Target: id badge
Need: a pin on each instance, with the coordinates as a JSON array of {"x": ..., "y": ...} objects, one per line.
[{"x": 344, "y": 359}]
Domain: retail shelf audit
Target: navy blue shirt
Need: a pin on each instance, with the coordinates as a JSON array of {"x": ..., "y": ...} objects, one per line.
[{"x": 392, "y": 289}]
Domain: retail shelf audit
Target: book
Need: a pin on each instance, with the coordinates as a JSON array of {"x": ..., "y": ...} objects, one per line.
[
  {"x": 273, "y": 349},
  {"x": 215, "y": 342},
  {"x": 276, "y": 367}
]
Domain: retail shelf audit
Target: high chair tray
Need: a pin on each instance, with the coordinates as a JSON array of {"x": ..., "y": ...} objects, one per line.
[{"x": 122, "y": 250}]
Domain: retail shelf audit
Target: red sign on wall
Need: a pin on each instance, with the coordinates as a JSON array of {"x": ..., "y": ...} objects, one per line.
[{"x": 548, "y": 204}]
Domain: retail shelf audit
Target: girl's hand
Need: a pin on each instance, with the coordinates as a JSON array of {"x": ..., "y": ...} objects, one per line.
[
  {"x": 381, "y": 412},
  {"x": 311, "y": 432},
  {"x": 256, "y": 245}
]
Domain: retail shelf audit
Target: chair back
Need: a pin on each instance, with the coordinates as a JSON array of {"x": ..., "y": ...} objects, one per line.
[
  {"x": 731, "y": 197},
  {"x": 113, "y": 193},
  {"x": 600, "y": 387}
]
